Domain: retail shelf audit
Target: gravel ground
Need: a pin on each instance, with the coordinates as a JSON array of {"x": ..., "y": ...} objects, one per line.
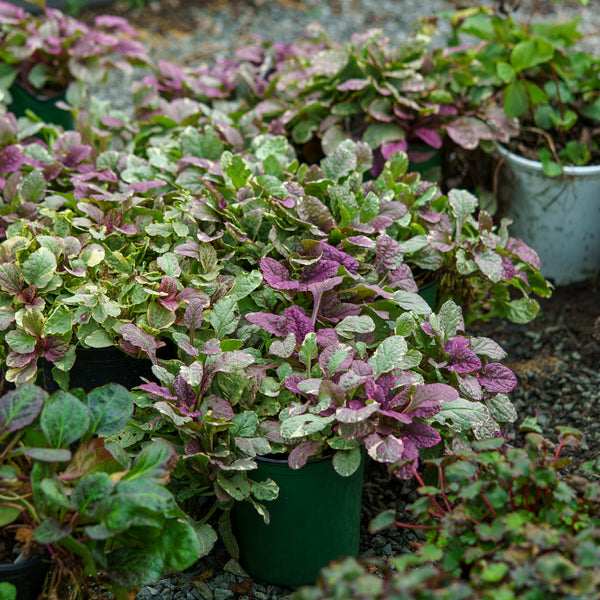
[{"x": 556, "y": 357}]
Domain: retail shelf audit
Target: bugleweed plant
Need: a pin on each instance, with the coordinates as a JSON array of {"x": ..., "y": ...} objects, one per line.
[
  {"x": 512, "y": 522},
  {"x": 101, "y": 517},
  {"x": 46, "y": 53}
]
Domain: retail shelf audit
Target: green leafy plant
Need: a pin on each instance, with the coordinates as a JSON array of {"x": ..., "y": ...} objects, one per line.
[
  {"x": 533, "y": 70},
  {"x": 65, "y": 490},
  {"x": 512, "y": 522}
]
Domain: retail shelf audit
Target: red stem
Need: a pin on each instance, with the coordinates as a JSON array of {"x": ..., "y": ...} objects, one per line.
[{"x": 488, "y": 504}]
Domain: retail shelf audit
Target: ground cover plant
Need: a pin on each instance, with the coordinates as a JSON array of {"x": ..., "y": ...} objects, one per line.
[{"x": 502, "y": 523}]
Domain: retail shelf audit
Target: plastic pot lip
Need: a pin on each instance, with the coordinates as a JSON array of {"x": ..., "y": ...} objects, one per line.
[
  {"x": 284, "y": 461},
  {"x": 24, "y": 565},
  {"x": 535, "y": 165},
  {"x": 39, "y": 98}
]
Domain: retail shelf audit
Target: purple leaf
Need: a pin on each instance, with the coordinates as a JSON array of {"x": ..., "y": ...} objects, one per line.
[
  {"x": 274, "y": 324},
  {"x": 433, "y": 392},
  {"x": 300, "y": 454},
  {"x": 497, "y": 379},
  {"x": 193, "y": 317},
  {"x": 430, "y": 137},
  {"x": 156, "y": 390},
  {"x": 277, "y": 275},
  {"x": 140, "y": 339},
  {"x": 11, "y": 159},
  {"x": 421, "y": 435},
  {"x": 321, "y": 271},
  {"x": 297, "y": 322},
  {"x": 140, "y": 187},
  {"x": 353, "y": 85},
  {"x": 523, "y": 251},
  {"x": 461, "y": 358}
]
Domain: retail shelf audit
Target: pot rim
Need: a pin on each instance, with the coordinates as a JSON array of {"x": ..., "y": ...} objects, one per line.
[
  {"x": 536, "y": 165},
  {"x": 284, "y": 461}
]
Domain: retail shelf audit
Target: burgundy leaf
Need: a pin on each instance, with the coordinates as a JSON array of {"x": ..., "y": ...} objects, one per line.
[
  {"x": 421, "y": 435},
  {"x": 139, "y": 339},
  {"x": 300, "y": 454},
  {"x": 498, "y": 379},
  {"x": 277, "y": 275},
  {"x": 11, "y": 159}
]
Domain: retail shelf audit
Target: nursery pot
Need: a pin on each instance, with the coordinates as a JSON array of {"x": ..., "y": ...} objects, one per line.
[
  {"x": 95, "y": 367},
  {"x": 559, "y": 217},
  {"x": 44, "y": 107},
  {"x": 27, "y": 576},
  {"x": 429, "y": 292},
  {"x": 425, "y": 160},
  {"x": 314, "y": 520}
]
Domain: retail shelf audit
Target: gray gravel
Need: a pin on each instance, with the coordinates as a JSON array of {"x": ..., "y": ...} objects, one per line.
[{"x": 556, "y": 361}]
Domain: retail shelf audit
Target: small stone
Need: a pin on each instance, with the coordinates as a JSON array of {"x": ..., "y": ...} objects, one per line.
[
  {"x": 260, "y": 595},
  {"x": 221, "y": 594},
  {"x": 205, "y": 592},
  {"x": 235, "y": 568}
]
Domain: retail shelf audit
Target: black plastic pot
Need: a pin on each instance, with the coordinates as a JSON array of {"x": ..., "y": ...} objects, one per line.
[
  {"x": 27, "y": 576},
  {"x": 95, "y": 367}
]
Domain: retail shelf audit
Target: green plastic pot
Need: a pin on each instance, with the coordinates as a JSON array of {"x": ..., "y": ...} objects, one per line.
[
  {"x": 429, "y": 292},
  {"x": 44, "y": 108},
  {"x": 314, "y": 520},
  {"x": 430, "y": 168}
]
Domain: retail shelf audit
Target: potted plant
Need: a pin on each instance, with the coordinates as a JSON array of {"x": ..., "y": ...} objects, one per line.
[
  {"x": 96, "y": 516},
  {"x": 320, "y": 93},
  {"x": 45, "y": 55},
  {"x": 504, "y": 522},
  {"x": 534, "y": 70}
]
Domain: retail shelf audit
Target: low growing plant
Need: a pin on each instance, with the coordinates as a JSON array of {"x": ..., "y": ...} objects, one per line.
[
  {"x": 48, "y": 52},
  {"x": 100, "y": 517},
  {"x": 511, "y": 522}
]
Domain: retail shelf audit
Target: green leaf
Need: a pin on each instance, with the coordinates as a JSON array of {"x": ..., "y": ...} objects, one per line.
[
  {"x": 60, "y": 321},
  {"x": 8, "y": 514},
  {"x": 54, "y": 495},
  {"x": 303, "y": 425},
  {"x": 348, "y": 327},
  {"x": 505, "y": 71},
  {"x": 91, "y": 491},
  {"x": 341, "y": 163},
  {"x": 7, "y": 591},
  {"x": 39, "y": 268},
  {"x": 245, "y": 284},
  {"x": 51, "y": 531},
  {"x": 461, "y": 415},
  {"x": 169, "y": 263},
  {"x": 153, "y": 463},
  {"x": 516, "y": 100},
  {"x": 530, "y": 53},
  {"x": 64, "y": 419},
  {"x": 159, "y": 317},
  {"x": 347, "y": 462},
  {"x": 266, "y": 489},
  {"x": 48, "y": 454},
  {"x": 134, "y": 567},
  {"x": 110, "y": 408},
  {"x": 383, "y": 520},
  {"x": 388, "y": 354},
  {"x": 378, "y": 134},
  {"x": 33, "y": 187},
  {"x": 179, "y": 545},
  {"x": 20, "y": 407},
  {"x": 222, "y": 317},
  {"x": 237, "y": 485}
]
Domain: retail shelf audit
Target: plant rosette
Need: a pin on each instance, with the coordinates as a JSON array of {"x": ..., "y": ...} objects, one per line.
[
  {"x": 100, "y": 516},
  {"x": 47, "y": 53},
  {"x": 533, "y": 70},
  {"x": 510, "y": 522}
]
